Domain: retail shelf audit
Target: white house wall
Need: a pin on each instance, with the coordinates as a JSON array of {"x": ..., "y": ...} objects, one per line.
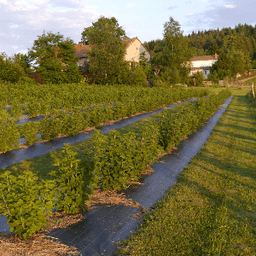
[
  {"x": 203, "y": 63},
  {"x": 134, "y": 50}
]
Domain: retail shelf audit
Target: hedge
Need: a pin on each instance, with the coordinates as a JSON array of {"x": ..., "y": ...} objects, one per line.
[{"x": 79, "y": 119}]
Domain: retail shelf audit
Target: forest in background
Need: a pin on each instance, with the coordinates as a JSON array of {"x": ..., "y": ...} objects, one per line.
[{"x": 236, "y": 48}]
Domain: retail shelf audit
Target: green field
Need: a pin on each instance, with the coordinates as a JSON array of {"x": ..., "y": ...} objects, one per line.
[{"x": 212, "y": 208}]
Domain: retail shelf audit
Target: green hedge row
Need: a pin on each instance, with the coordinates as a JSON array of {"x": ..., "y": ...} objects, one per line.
[
  {"x": 118, "y": 159},
  {"x": 70, "y": 123},
  {"x": 111, "y": 161},
  {"x": 34, "y": 100}
]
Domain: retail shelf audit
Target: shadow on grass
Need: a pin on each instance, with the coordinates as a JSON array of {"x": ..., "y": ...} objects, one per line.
[
  {"x": 249, "y": 144},
  {"x": 239, "y": 136},
  {"x": 239, "y": 209}
]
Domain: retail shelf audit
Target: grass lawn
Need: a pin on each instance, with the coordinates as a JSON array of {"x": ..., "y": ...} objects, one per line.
[{"x": 212, "y": 208}]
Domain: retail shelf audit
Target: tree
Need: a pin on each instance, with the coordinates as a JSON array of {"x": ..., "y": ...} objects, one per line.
[
  {"x": 22, "y": 60},
  {"x": 107, "y": 54},
  {"x": 175, "y": 54},
  {"x": 53, "y": 58},
  {"x": 11, "y": 70},
  {"x": 102, "y": 31},
  {"x": 199, "y": 77}
]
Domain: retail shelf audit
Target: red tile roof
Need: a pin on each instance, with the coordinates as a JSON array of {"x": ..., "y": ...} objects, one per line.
[
  {"x": 81, "y": 50},
  {"x": 128, "y": 41}
]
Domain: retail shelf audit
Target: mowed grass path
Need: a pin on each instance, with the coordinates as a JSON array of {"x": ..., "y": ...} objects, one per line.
[{"x": 212, "y": 208}]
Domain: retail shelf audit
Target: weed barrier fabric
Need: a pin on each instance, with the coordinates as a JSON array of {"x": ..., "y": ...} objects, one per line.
[
  {"x": 27, "y": 120},
  {"x": 103, "y": 226},
  {"x": 39, "y": 149}
]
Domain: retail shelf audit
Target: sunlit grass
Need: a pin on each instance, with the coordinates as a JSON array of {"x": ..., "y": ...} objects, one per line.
[{"x": 212, "y": 208}]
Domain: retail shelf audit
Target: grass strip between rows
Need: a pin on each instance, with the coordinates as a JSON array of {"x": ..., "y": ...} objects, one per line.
[{"x": 212, "y": 208}]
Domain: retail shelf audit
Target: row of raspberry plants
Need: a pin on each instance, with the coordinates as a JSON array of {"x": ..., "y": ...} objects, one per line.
[
  {"x": 70, "y": 123},
  {"x": 110, "y": 161},
  {"x": 37, "y": 100}
]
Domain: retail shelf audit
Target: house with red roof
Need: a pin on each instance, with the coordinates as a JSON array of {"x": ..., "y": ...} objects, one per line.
[
  {"x": 203, "y": 64},
  {"x": 134, "y": 49}
]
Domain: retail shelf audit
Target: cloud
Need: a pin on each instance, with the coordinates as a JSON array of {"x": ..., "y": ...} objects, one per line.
[
  {"x": 13, "y": 26},
  {"x": 230, "y": 14},
  {"x": 29, "y": 18},
  {"x": 172, "y": 8},
  {"x": 229, "y": 6},
  {"x": 189, "y": 14},
  {"x": 131, "y": 5}
]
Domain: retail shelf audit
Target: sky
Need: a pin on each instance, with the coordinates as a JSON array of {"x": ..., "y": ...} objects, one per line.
[{"x": 22, "y": 21}]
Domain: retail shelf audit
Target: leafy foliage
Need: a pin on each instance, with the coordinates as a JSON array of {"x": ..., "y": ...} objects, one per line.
[
  {"x": 11, "y": 70},
  {"x": 25, "y": 201},
  {"x": 9, "y": 135},
  {"x": 71, "y": 181},
  {"x": 199, "y": 78},
  {"x": 107, "y": 54},
  {"x": 111, "y": 161},
  {"x": 174, "y": 54},
  {"x": 119, "y": 159},
  {"x": 173, "y": 127},
  {"x": 236, "y": 48},
  {"x": 53, "y": 58},
  {"x": 69, "y": 109}
]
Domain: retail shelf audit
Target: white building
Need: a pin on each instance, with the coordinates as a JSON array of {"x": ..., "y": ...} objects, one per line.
[{"x": 203, "y": 64}]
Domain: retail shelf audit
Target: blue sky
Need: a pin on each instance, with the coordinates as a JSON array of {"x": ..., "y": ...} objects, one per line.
[{"x": 21, "y": 21}]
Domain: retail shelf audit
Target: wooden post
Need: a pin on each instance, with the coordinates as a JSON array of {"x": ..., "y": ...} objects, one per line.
[{"x": 253, "y": 91}]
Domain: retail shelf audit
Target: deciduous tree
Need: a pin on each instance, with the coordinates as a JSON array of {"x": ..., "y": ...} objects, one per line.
[
  {"x": 11, "y": 70},
  {"x": 107, "y": 53},
  {"x": 53, "y": 58},
  {"x": 175, "y": 54}
]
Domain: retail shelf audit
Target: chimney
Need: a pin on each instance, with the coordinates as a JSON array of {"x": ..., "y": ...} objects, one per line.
[{"x": 216, "y": 55}]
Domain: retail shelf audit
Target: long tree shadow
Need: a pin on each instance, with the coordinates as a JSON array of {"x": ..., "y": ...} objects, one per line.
[
  {"x": 229, "y": 167},
  {"x": 239, "y": 136},
  {"x": 226, "y": 144},
  {"x": 236, "y": 206},
  {"x": 238, "y": 127}
]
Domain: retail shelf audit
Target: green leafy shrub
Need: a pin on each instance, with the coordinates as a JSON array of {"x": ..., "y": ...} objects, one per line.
[
  {"x": 29, "y": 131},
  {"x": 82, "y": 106},
  {"x": 26, "y": 201},
  {"x": 9, "y": 135},
  {"x": 119, "y": 159},
  {"x": 4, "y": 114},
  {"x": 71, "y": 181},
  {"x": 16, "y": 109},
  {"x": 173, "y": 127},
  {"x": 199, "y": 78},
  {"x": 51, "y": 126}
]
